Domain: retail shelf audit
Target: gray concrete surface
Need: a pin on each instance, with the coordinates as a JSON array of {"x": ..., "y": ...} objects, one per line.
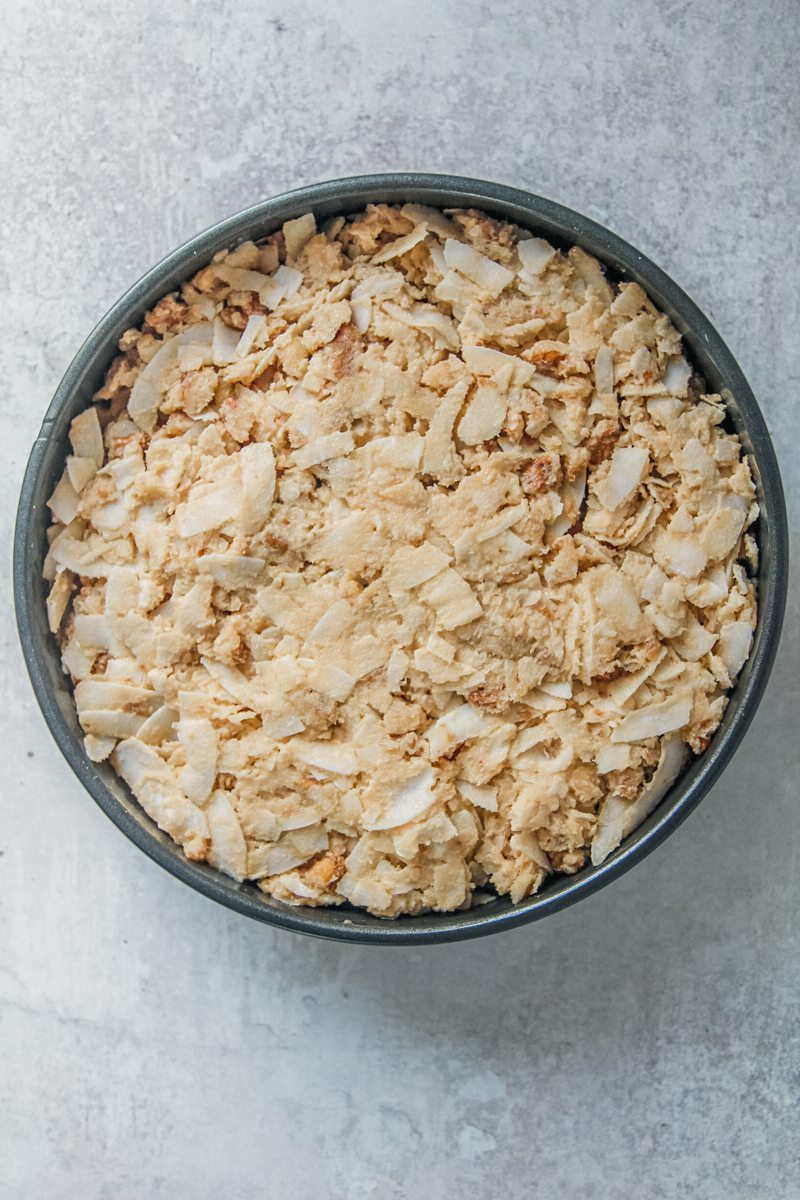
[{"x": 642, "y": 1044}]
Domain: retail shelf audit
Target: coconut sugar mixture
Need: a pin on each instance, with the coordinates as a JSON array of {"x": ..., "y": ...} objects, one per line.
[{"x": 400, "y": 559}]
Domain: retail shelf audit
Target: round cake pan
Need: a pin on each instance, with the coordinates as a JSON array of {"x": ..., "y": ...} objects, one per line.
[{"x": 711, "y": 357}]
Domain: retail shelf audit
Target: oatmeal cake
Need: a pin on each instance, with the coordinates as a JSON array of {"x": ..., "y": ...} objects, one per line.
[{"x": 400, "y": 558}]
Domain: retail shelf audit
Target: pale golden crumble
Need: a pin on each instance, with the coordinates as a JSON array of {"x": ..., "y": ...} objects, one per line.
[{"x": 401, "y": 558}]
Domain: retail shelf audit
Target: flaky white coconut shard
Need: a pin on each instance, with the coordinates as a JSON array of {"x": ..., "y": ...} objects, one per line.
[
  {"x": 483, "y": 271},
  {"x": 455, "y": 727},
  {"x": 618, "y": 818},
  {"x": 405, "y": 803},
  {"x": 147, "y": 394},
  {"x": 534, "y": 254},
  {"x": 735, "y": 641},
  {"x": 654, "y": 720},
  {"x": 627, "y": 469},
  {"x": 401, "y": 560},
  {"x": 154, "y": 786}
]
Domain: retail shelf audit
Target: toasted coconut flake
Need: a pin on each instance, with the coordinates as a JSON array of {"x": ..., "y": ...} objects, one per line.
[
  {"x": 430, "y": 218},
  {"x": 488, "y": 275},
  {"x": 297, "y": 234},
  {"x": 535, "y": 254},
  {"x": 210, "y": 509},
  {"x": 412, "y": 566},
  {"x": 628, "y": 466},
  {"x": 327, "y": 756},
  {"x": 613, "y": 758},
  {"x": 677, "y": 376},
  {"x": 604, "y": 371},
  {"x": 405, "y": 803},
  {"x": 110, "y": 724},
  {"x": 257, "y": 463},
  {"x": 292, "y": 851},
  {"x": 159, "y": 726},
  {"x": 80, "y": 471},
  {"x": 481, "y": 797},
  {"x": 228, "y": 850},
  {"x": 484, "y": 417},
  {"x": 453, "y": 599},
  {"x": 439, "y": 327},
  {"x": 98, "y": 749},
  {"x": 289, "y": 280},
  {"x": 86, "y": 437},
  {"x": 654, "y": 720},
  {"x": 617, "y": 818},
  {"x": 318, "y": 450},
  {"x": 457, "y": 726},
  {"x": 439, "y": 457},
  {"x": 152, "y": 782},
  {"x": 101, "y": 693},
  {"x": 64, "y": 501},
  {"x": 58, "y": 599},
  {"x": 199, "y": 740},
  {"x": 735, "y": 641},
  {"x": 400, "y": 246},
  {"x": 482, "y": 360},
  {"x": 147, "y": 393},
  {"x": 253, "y": 331}
]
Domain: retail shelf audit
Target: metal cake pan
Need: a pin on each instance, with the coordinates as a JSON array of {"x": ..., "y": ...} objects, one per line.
[{"x": 710, "y": 356}]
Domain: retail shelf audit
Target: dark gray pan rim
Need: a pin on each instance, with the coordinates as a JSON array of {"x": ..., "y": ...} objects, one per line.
[{"x": 710, "y": 355}]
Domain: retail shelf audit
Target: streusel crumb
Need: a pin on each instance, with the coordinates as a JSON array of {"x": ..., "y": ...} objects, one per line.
[{"x": 401, "y": 558}]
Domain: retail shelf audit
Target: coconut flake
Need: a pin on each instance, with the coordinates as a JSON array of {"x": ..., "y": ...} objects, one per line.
[
  {"x": 86, "y": 437},
  {"x": 677, "y": 376},
  {"x": 437, "y": 325},
  {"x": 148, "y": 390},
  {"x": 628, "y": 467},
  {"x": 210, "y": 509},
  {"x": 296, "y": 233},
  {"x": 482, "y": 360},
  {"x": 199, "y": 740},
  {"x": 412, "y": 566},
  {"x": 572, "y": 496},
  {"x": 453, "y": 599},
  {"x": 326, "y": 756},
  {"x": 400, "y": 246},
  {"x": 362, "y": 314},
  {"x": 255, "y": 329},
  {"x": 228, "y": 850},
  {"x": 396, "y": 669},
  {"x": 225, "y": 343},
  {"x": 604, "y": 371},
  {"x": 64, "y": 501},
  {"x": 534, "y": 254},
  {"x": 735, "y": 640},
  {"x": 653, "y": 720},
  {"x": 482, "y": 797},
  {"x": 58, "y": 599},
  {"x": 430, "y": 218},
  {"x": 490, "y": 276},
  {"x": 613, "y": 758},
  {"x": 457, "y": 726},
  {"x": 335, "y": 622},
  {"x": 484, "y": 417},
  {"x": 409, "y": 801},
  {"x": 617, "y": 818},
  {"x": 257, "y": 462},
  {"x": 321, "y": 449}
]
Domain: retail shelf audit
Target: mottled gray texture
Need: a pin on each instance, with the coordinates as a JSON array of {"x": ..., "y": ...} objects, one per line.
[{"x": 643, "y": 1043}]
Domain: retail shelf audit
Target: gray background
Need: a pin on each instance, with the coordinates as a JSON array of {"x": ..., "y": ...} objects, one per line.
[{"x": 643, "y": 1043}]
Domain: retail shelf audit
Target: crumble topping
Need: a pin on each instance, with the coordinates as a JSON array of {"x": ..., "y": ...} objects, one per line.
[{"x": 401, "y": 558}]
